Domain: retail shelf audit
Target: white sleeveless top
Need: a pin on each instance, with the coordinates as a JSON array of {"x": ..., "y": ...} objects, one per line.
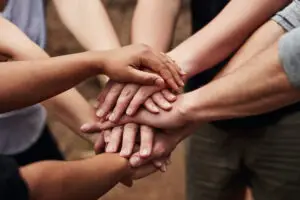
[{"x": 21, "y": 128}]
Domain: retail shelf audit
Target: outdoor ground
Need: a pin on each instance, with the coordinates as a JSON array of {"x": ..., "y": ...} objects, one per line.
[{"x": 168, "y": 186}]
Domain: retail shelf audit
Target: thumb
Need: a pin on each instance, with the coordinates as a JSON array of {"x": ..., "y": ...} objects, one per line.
[{"x": 145, "y": 78}]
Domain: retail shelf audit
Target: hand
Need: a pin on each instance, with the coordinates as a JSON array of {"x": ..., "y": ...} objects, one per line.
[
  {"x": 97, "y": 175},
  {"x": 165, "y": 142},
  {"x": 118, "y": 98},
  {"x": 128, "y": 140},
  {"x": 123, "y": 65},
  {"x": 175, "y": 118}
]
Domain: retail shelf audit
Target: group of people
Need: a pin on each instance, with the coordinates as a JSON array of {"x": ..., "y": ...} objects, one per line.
[{"x": 241, "y": 68}]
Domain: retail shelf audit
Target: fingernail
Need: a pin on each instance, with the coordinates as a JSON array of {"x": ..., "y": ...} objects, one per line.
[
  {"x": 135, "y": 161},
  {"x": 163, "y": 168},
  {"x": 181, "y": 83},
  {"x": 155, "y": 109},
  {"x": 109, "y": 149},
  {"x": 85, "y": 127},
  {"x": 112, "y": 117},
  {"x": 124, "y": 152},
  {"x": 145, "y": 152},
  {"x": 129, "y": 111},
  {"x": 100, "y": 113},
  {"x": 172, "y": 96},
  {"x": 97, "y": 104},
  {"x": 182, "y": 72},
  {"x": 168, "y": 162},
  {"x": 158, "y": 164},
  {"x": 159, "y": 82},
  {"x": 167, "y": 104}
]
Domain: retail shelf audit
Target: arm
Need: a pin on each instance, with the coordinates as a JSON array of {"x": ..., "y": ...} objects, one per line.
[
  {"x": 97, "y": 176},
  {"x": 23, "y": 83},
  {"x": 89, "y": 23},
  {"x": 254, "y": 82},
  {"x": 263, "y": 86},
  {"x": 154, "y": 22},
  {"x": 70, "y": 107},
  {"x": 224, "y": 34}
]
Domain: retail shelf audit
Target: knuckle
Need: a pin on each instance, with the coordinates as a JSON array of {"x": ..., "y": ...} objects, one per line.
[
  {"x": 160, "y": 150},
  {"x": 166, "y": 73},
  {"x": 130, "y": 126},
  {"x": 127, "y": 92}
]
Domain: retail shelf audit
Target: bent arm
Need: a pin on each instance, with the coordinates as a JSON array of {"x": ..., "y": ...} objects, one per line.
[
  {"x": 224, "y": 34},
  {"x": 154, "y": 22},
  {"x": 97, "y": 176},
  {"x": 23, "y": 83},
  {"x": 89, "y": 23},
  {"x": 260, "y": 86}
]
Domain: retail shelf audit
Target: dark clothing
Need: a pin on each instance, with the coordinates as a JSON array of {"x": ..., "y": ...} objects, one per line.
[
  {"x": 44, "y": 149},
  {"x": 12, "y": 186},
  {"x": 226, "y": 156},
  {"x": 222, "y": 162},
  {"x": 202, "y": 13}
]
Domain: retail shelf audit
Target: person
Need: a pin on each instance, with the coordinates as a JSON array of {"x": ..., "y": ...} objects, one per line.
[
  {"x": 55, "y": 75},
  {"x": 31, "y": 140},
  {"x": 263, "y": 86}
]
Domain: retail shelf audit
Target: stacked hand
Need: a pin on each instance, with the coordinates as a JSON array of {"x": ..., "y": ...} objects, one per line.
[{"x": 143, "y": 123}]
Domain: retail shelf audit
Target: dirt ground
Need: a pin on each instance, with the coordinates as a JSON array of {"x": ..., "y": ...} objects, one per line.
[{"x": 168, "y": 186}]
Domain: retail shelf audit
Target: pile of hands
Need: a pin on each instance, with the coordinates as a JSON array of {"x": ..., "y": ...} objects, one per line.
[{"x": 142, "y": 123}]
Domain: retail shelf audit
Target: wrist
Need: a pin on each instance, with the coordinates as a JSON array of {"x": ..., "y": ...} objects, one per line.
[
  {"x": 183, "y": 62},
  {"x": 185, "y": 110},
  {"x": 96, "y": 61}
]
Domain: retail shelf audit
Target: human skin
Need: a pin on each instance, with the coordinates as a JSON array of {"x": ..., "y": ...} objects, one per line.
[{"x": 253, "y": 83}]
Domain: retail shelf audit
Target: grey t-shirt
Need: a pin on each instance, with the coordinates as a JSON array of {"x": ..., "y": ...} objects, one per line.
[
  {"x": 21, "y": 128},
  {"x": 289, "y": 44}
]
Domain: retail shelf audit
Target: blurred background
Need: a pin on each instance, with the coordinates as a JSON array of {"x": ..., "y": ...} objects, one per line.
[{"x": 168, "y": 186}]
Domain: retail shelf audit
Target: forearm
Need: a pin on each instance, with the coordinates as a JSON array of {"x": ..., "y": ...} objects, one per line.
[
  {"x": 89, "y": 23},
  {"x": 16, "y": 45},
  {"x": 23, "y": 83},
  {"x": 260, "y": 86},
  {"x": 71, "y": 108},
  {"x": 154, "y": 22},
  {"x": 97, "y": 176},
  {"x": 224, "y": 34}
]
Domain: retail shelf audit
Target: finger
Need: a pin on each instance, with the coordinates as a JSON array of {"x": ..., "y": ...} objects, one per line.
[
  {"x": 110, "y": 100},
  {"x": 158, "y": 64},
  {"x": 144, "y": 78},
  {"x": 99, "y": 146},
  {"x": 123, "y": 101},
  {"x": 161, "y": 164},
  {"x": 128, "y": 142},
  {"x": 144, "y": 171},
  {"x": 169, "y": 95},
  {"x": 142, "y": 117},
  {"x": 103, "y": 93},
  {"x": 159, "y": 99},
  {"x": 170, "y": 69},
  {"x": 178, "y": 69},
  {"x": 94, "y": 127},
  {"x": 106, "y": 135},
  {"x": 147, "y": 136},
  {"x": 150, "y": 106},
  {"x": 140, "y": 98},
  {"x": 115, "y": 140},
  {"x": 173, "y": 69}
]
